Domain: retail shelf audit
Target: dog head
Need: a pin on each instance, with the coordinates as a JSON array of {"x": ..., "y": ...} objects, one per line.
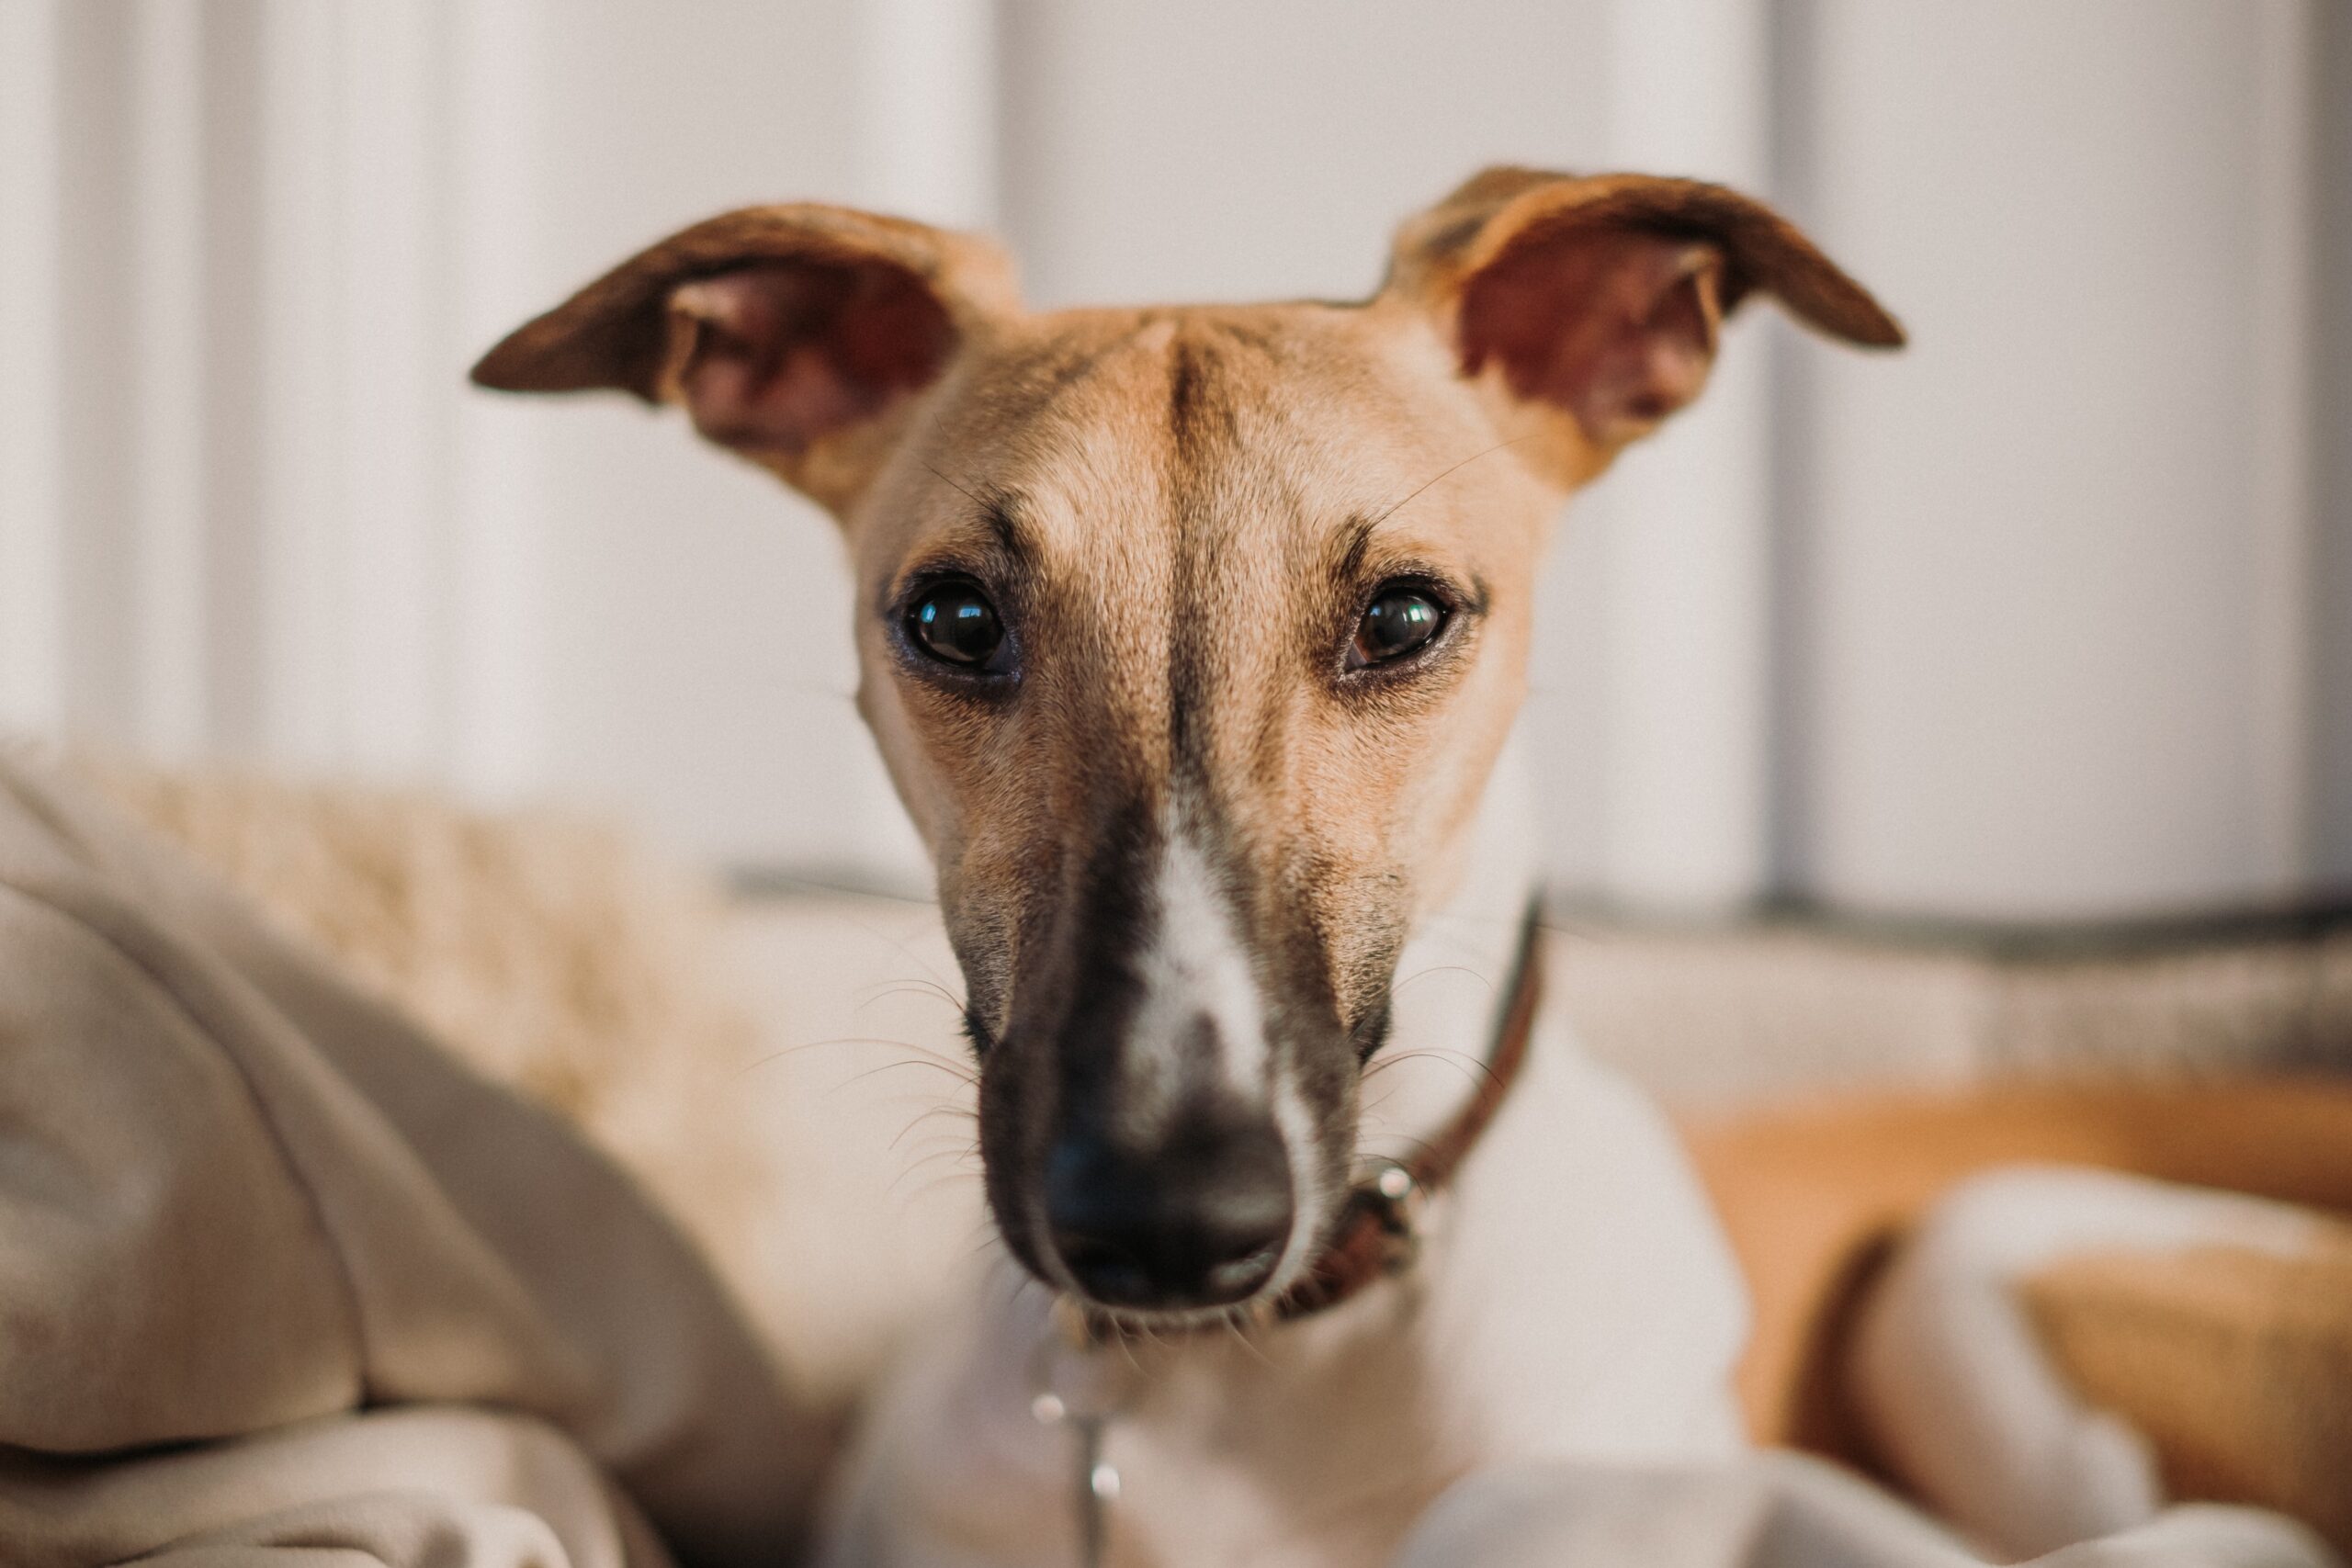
[{"x": 1190, "y": 636}]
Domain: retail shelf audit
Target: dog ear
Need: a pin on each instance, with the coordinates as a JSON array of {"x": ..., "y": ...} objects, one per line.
[
  {"x": 1599, "y": 297},
  {"x": 798, "y": 336}
]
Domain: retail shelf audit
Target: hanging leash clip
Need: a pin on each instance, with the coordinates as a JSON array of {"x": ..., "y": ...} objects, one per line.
[
  {"x": 1396, "y": 1200},
  {"x": 1080, "y": 1381}
]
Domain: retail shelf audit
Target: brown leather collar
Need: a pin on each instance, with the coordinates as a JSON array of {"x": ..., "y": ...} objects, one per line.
[{"x": 1374, "y": 1234}]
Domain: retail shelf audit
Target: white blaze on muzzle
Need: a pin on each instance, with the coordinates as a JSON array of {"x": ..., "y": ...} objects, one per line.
[{"x": 1192, "y": 970}]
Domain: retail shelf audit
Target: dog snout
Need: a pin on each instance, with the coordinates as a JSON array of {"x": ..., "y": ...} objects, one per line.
[{"x": 1200, "y": 1219}]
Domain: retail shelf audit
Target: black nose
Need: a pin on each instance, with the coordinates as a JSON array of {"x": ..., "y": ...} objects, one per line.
[{"x": 1198, "y": 1219}]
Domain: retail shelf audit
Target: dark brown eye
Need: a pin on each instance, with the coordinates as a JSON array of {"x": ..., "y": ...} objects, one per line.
[
  {"x": 1399, "y": 619},
  {"x": 955, "y": 623}
]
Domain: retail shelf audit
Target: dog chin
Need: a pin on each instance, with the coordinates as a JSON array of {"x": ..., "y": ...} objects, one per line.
[{"x": 1245, "y": 1317}]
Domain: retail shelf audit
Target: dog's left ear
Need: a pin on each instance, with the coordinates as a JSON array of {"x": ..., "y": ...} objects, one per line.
[
  {"x": 1589, "y": 308},
  {"x": 799, "y": 336}
]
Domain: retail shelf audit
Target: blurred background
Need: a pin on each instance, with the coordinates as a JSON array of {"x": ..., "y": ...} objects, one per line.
[{"x": 2047, "y": 620}]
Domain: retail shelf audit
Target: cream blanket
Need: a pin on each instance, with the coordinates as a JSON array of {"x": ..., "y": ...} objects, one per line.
[{"x": 283, "y": 1285}]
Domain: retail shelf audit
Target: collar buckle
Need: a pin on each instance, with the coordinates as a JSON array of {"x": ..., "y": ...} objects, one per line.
[{"x": 1396, "y": 1200}]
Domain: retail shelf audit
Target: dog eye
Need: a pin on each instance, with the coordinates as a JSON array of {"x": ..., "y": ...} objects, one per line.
[
  {"x": 955, "y": 623},
  {"x": 1399, "y": 619}
]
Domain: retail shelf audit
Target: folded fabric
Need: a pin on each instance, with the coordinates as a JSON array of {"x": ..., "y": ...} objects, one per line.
[
  {"x": 260, "y": 1238},
  {"x": 1784, "y": 1510}
]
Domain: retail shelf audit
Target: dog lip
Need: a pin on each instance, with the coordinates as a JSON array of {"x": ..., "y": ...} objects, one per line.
[{"x": 1245, "y": 1312}]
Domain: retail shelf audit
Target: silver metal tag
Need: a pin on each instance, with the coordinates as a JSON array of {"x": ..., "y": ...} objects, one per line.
[{"x": 1084, "y": 1385}]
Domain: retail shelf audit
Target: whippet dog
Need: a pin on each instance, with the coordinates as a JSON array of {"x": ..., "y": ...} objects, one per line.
[{"x": 1194, "y": 639}]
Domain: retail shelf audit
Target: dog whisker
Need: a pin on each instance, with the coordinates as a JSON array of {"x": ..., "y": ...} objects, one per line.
[
  {"x": 955, "y": 1177},
  {"x": 941, "y": 1144},
  {"x": 893, "y": 1066},
  {"x": 899, "y": 945},
  {"x": 756, "y": 880},
  {"x": 956, "y": 1111},
  {"x": 1443, "y": 474},
  {"x": 913, "y": 988},
  {"x": 980, "y": 1244},
  {"x": 1022, "y": 1282},
  {"x": 921, "y": 1050},
  {"x": 1238, "y": 1322},
  {"x": 929, "y": 1159},
  {"x": 1419, "y": 974},
  {"x": 1474, "y": 1069},
  {"x": 964, "y": 491},
  {"x": 954, "y": 1180},
  {"x": 1407, "y": 1142}
]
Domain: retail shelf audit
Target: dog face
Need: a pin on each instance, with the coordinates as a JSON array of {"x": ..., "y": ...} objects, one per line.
[{"x": 1190, "y": 636}]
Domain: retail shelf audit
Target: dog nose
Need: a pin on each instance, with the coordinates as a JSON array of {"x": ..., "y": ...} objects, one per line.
[{"x": 1197, "y": 1220}]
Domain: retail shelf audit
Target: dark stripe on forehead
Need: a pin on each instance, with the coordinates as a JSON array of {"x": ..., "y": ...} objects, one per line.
[
  {"x": 1202, "y": 413},
  {"x": 1186, "y": 373},
  {"x": 1207, "y": 396},
  {"x": 1191, "y": 372}
]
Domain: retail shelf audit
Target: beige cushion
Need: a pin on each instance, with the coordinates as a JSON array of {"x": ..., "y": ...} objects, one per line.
[
  {"x": 242, "y": 1203},
  {"x": 785, "y": 1074}
]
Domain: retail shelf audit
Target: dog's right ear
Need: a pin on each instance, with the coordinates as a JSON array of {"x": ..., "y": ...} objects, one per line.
[
  {"x": 798, "y": 336},
  {"x": 1586, "y": 309}
]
